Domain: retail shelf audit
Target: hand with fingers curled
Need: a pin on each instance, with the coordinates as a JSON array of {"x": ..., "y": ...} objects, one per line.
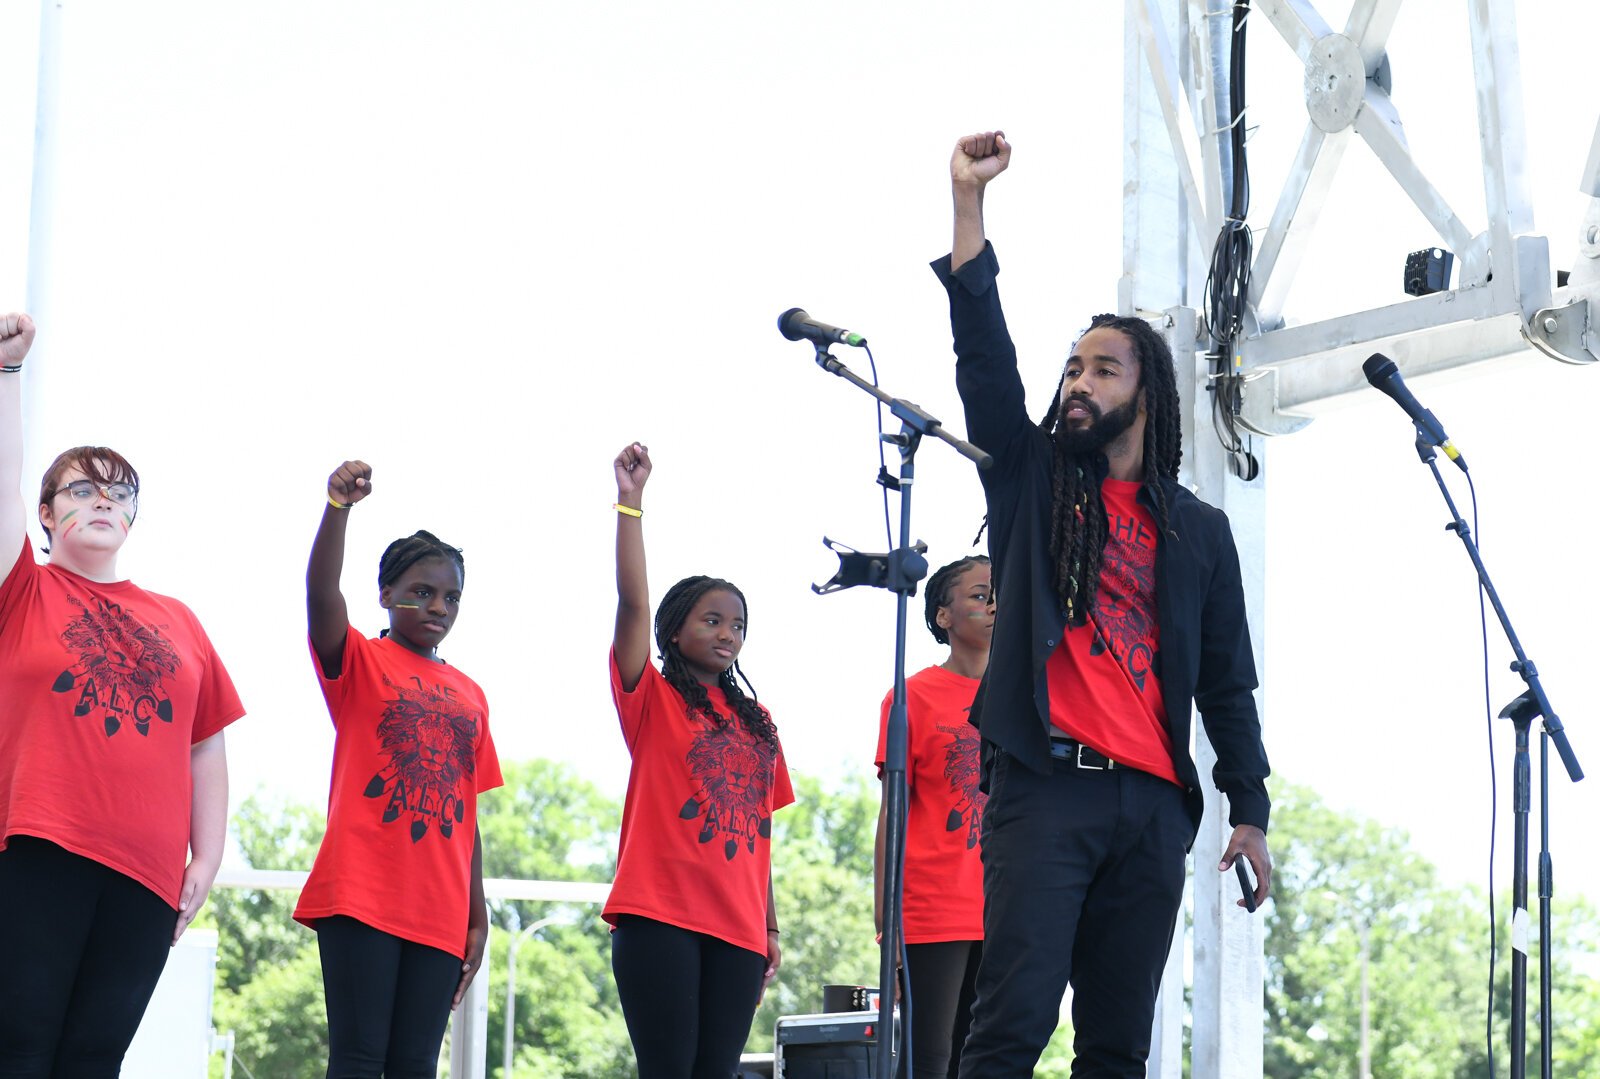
[
  {"x": 349, "y": 484},
  {"x": 16, "y": 338},
  {"x": 197, "y": 880},
  {"x": 477, "y": 941},
  {"x": 632, "y": 467},
  {"x": 979, "y": 158},
  {"x": 1250, "y": 843}
]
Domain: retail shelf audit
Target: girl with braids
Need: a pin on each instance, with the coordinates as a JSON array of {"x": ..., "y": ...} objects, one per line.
[
  {"x": 396, "y": 893},
  {"x": 696, "y": 932},
  {"x": 942, "y": 911},
  {"x": 113, "y": 773}
]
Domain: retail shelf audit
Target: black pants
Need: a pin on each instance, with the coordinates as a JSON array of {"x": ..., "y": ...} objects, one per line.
[
  {"x": 81, "y": 950},
  {"x": 1082, "y": 881},
  {"x": 688, "y": 998},
  {"x": 388, "y": 1001},
  {"x": 942, "y": 978}
]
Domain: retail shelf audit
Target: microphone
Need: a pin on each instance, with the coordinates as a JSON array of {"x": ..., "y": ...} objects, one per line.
[
  {"x": 796, "y": 325},
  {"x": 1384, "y": 375}
]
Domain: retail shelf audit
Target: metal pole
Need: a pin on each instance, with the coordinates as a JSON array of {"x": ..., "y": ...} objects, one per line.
[
  {"x": 41, "y": 223},
  {"x": 511, "y": 981}
]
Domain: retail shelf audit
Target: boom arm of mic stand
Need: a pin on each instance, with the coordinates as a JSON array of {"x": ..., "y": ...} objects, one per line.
[
  {"x": 907, "y": 413},
  {"x": 1523, "y": 665}
]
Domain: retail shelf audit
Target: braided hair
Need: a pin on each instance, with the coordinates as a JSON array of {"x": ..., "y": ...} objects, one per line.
[
  {"x": 406, "y": 552},
  {"x": 670, "y": 616},
  {"x": 940, "y": 585},
  {"x": 1078, "y": 524}
]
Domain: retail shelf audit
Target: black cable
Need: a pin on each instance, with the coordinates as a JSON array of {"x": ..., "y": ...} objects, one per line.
[
  {"x": 1488, "y": 714},
  {"x": 1228, "y": 281},
  {"x": 883, "y": 462}
]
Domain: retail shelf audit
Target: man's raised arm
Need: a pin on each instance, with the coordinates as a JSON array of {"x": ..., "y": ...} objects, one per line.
[{"x": 977, "y": 159}]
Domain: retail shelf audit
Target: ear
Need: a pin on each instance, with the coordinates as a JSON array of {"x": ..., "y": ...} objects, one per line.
[
  {"x": 385, "y": 596},
  {"x": 941, "y": 617},
  {"x": 47, "y": 517}
]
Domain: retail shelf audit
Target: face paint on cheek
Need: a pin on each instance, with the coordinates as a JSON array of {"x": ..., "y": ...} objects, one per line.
[
  {"x": 127, "y": 522},
  {"x": 405, "y": 607},
  {"x": 68, "y": 527}
]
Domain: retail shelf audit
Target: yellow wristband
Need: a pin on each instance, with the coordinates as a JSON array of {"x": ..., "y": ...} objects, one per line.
[
  {"x": 336, "y": 504},
  {"x": 629, "y": 510}
]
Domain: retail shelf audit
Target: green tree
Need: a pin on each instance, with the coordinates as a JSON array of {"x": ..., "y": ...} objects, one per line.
[
  {"x": 822, "y": 877},
  {"x": 255, "y": 929},
  {"x": 269, "y": 977},
  {"x": 1352, "y": 896},
  {"x": 547, "y": 823}
]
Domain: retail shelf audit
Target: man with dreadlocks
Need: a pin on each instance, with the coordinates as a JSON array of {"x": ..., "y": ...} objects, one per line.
[{"x": 1119, "y": 609}]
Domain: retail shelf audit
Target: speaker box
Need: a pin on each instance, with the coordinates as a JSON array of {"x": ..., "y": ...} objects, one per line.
[{"x": 830, "y": 1045}]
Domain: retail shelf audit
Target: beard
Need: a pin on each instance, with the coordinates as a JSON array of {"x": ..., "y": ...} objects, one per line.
[{"x": 1101, "y": 429}]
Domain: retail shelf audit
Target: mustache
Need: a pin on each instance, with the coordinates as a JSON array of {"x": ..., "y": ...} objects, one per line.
[{"x": 1079, "y": 399}]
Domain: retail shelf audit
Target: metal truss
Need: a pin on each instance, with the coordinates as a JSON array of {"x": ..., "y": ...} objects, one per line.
[{"x": 1505, "y": 299}]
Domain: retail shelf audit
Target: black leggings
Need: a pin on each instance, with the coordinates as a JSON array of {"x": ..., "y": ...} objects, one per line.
[
  {"x": 388, "y": 1001},
  {"x": 942, "y": 977},
  {"x": 81, "y": 950},
  {"x": 688, "y": 998}
]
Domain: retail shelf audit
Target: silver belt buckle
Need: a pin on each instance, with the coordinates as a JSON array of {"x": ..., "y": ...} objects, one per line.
[{"x": 1106, "y": 767}]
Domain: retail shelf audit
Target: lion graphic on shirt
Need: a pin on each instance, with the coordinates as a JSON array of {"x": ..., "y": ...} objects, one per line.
[
  {"x": 1124, "y": 612},
  {"x": 732, "y": 774},
  {"x": 962, "y": 771},
  {"x": 429, "y": 741},
  {"x": 120, "y": 668}
]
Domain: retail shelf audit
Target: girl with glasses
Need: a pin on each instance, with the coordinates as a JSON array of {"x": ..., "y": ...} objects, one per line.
[
  {"x": 113, "y": 774},
  {"x": 396, "y": 893},
  {"x": 696, "y": 931}
]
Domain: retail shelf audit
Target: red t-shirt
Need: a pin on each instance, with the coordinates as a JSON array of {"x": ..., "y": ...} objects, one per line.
[
  {"x": 944, "y": 868},
  {"x": 1104, "y": 690},
  {"x": 411, "y": 754},
  {"x": 103, "y": 690},
  {"x": 696, "y": 846}
]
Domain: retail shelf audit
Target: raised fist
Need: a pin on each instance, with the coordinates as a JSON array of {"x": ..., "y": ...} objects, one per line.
[
  {"x": 633, "y": 469},
  {"x": 16, "y": 338},
  {"x": 350, "y": 482},
  {"x": 979, "y": 158}
]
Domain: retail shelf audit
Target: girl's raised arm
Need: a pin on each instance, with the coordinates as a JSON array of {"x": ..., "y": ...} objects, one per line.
[
  {"x": 327, "y": 618},
  {"x": 16, "y": 337},
  {"x": 631, "y": 642}
]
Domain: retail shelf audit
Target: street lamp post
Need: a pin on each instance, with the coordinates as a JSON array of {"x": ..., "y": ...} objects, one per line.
[{"x": 511, "y": 980}]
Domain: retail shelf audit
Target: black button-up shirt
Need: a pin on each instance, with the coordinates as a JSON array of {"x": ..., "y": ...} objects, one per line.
[{"x": 1205, "y": 659}]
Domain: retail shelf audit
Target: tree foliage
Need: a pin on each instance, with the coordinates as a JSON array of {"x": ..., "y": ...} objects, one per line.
[{"x": 1348, "y": 895}]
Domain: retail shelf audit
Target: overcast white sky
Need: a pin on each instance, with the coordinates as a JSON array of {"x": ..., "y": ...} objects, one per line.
[{"x": 483, "y": 245}]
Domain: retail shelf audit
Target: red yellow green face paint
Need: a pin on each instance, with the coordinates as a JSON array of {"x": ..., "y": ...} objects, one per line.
[
  {"x": 66, "y": 527},
  {"x": 127, "y": 521}
]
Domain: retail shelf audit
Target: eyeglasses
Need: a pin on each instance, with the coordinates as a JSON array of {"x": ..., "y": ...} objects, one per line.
[{"x": 123, "y": 494}]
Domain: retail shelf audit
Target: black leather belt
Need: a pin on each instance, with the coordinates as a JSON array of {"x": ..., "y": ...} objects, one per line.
[{"x": 1079, "y": 755}]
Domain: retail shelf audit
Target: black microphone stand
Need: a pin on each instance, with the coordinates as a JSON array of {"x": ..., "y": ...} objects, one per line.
[
  {"x": 899, "y": 571},
  {"x": 1522, "y": 711}
]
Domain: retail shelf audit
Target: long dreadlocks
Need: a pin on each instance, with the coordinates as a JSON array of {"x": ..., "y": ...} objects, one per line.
[
  {"x": 670, "y": 616},
  {"x": 1078, "y": 525}
]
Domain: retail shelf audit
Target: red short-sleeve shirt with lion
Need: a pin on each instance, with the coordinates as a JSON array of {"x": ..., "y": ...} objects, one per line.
[
  {"x": 944, "y": 866},
  {"x": 411, "y": 753},
  {"x": 696, "y": 845},
  {"x": 104, "y": 688}
]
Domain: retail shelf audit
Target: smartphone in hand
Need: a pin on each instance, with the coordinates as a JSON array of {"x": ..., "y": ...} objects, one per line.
[{"x": 1245, "y": 886}]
